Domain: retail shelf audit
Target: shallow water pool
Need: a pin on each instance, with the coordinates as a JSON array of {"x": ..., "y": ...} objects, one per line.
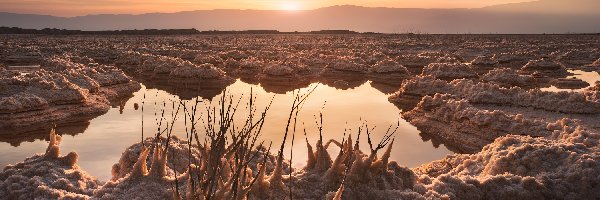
[{"x": 101, "y": 142}]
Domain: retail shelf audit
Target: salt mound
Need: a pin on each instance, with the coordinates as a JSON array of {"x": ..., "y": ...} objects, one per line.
[
  {"x": 278, "y": 69},
  {"x": 517, "y": 167},
  {"x": 465, "y": 127},
  {"x": 203, "y": 58},
  {"x": 234, "y": 54},
  {"x": 205, "y": 71},
  {"x": 487, "y": 93},
  {"x": 510, "y": 58},
  {"x": 61, "y": 90},
  {"x": 251, "y": 63},
  {"x": 47, "y": 176},
  {"x": 412, "y": 60},
  {"x": 577, "y": 58},
  {"x": 593, "y": 93},
  {"x": 449, "y": 71},
  {"x": 53, "y": 88},
  {"x": 347, "y": 64},
  {"x": 484, "y": 61},
  {"x": 545, "y": 66},
  {"x": 595, "y": 66},
  {"x": 506, "y": 77},
  {"x": 569, "y": 83},
  {"x": 389, "y": 66}
]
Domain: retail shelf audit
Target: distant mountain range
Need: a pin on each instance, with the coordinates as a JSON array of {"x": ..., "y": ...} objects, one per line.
[{"x": 544, "y": 16}]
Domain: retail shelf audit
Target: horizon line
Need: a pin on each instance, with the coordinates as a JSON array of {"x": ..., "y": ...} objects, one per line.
[{"x": 233, "y": 9}]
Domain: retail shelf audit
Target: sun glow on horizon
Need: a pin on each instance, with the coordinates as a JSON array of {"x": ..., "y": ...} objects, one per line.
[
  {"x": 70, "y": 8},
  {"x": 290, "y": 5}
]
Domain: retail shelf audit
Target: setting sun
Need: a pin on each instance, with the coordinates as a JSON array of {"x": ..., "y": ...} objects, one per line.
[{"x": 290, "y": 5}]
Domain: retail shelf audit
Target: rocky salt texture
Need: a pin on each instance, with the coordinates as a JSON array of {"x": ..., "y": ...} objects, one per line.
[
  {"x": 467, "y": 128},
  {"x": 47, "y": 176},
  {"x": 488, "y": 93},
  {"x": 449, "y": 71},
  {"x": 525, "y": 143},
  {"x": 466, "y": 116},
  {"x": 593, "y": 93},
  {"x": 595, "y": 66},
  {"x": 569, "y": 83},
  {"x": 516, "y": 167},
  {"x": 175, "y": 75},
  {"x": 61, "y": 91},
  {"x": 506, "y": 77},
  {"x": 509, "y": 167},
  {"x": 547, "y": 67}
]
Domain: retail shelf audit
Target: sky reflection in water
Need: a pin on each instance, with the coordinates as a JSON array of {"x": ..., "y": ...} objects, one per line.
[{"x": 107, "y": 136}]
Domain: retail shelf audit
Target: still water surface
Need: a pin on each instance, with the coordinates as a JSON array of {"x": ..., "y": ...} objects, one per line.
[{"x": 100, "y": 145}]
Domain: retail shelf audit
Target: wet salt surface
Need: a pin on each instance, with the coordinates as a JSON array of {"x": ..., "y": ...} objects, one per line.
[
  {"x": 589, "y": 77},
  {"x": 107, "y": 136}
]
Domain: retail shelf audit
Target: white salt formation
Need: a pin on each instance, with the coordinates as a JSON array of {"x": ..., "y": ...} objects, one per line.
[
  {"x": 348, "y": 65},
  {"x": 470, "y": 128},
  {"x": 47, "y": 176},
  {"x": 60, "y": 91},
  {"x": 545, "y": 66},
  {"x": 506, "y": 77},
  {"x": 593, "y": 93},
  {"x": 488, "y": 93},
  {"x": 525, "y": 143},
  {"x": 569, "y": 83},
  {"x": 449, "y": 71},
  {"x": 578, "y": 57},
  {"x": 595, "y": 66},
  {"x": 484, "y": 61},
  {"x": 510, "y": 167},
  {"x": 389, "y": 66},
  {"x": 414, "y": 61}
]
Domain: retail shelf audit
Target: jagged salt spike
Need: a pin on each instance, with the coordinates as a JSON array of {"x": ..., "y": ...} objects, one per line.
[
  {"x": 53, "y": 150},
  {"x": 155, "y": 156},
  {"x": 335, "y": 172},
  {"x": 357, "y": 168},
  {"x": 276, "y": 178},
  {"x": 140, "y": 168},
  {"x": 53, "y": 141},
  {"x": 386, "y": 155},
  {"x": 323, "y": 160},
  {"x": 310, "y": 163},
  {"x": 348, "y": 147},
  {"x": 159, "y": 164}
]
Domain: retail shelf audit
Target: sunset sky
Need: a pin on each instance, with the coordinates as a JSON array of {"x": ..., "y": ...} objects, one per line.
[{"x": 85, "y": 7}]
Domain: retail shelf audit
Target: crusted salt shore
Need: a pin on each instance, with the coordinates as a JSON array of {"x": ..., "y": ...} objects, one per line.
[
  {"x": 61, "y": 91},
  {"x": 348, "y": 65},
  {"x": 487, "y": 93},
  {"x": 485, "y": 61},
  {"x": 389, "y": 66},
  {"x": 547, "y": 67},
  {"x": 595, "y": 66},
  {"x": 506, "y": 77},
  {"x": 593, "y": 93},
  {"x": 569, "y": 83},
  {"x": 47, "y": 176},
  {"x": 468, "y": 128},
  {"x": 449, "y": 71},
  {"x": 516, "y": 167},
  {"x": 510, "y": 167},
  {"x": 554, "y": 155}
]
